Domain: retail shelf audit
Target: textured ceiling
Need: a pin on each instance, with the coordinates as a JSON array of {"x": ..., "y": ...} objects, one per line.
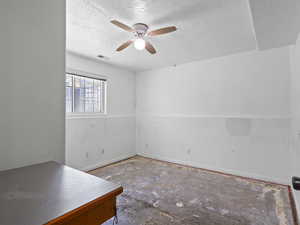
[
  {"x": 276, "y": 22},
  {"x": 206, "y": 28}
]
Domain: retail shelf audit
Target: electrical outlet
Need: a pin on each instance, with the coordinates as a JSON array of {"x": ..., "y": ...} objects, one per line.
[
  {"x": 296, "y": 183},
  {"x": 86, "y": 155}
]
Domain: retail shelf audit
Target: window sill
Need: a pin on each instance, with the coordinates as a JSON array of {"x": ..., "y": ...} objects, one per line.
[{"x": 85, "y": 115}]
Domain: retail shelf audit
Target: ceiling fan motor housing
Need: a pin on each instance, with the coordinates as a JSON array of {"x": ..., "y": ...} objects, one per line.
[{"x": 140, "y": 29}]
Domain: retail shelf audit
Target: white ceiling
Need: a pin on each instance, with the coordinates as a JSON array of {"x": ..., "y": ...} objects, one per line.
[
  {"x": 276, "y": 22},
  {"x": 206, "y": 28}
]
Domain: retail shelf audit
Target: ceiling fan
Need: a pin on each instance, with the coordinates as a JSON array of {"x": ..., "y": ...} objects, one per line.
[{"x": 140, "y": 31}]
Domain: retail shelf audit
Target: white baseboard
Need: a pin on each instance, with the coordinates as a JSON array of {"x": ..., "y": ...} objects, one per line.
[
  {"x": 217, "y": 169},
  {"x": 107, "y": 162}
]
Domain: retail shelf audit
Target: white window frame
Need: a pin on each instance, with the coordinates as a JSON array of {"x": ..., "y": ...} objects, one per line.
[{"x": 71, "y": 115}]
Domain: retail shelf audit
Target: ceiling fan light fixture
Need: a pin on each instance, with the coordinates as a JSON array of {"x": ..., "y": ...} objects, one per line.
[
  {"x": 140, "y": 30},
  {"x": 139, "y": 44}
]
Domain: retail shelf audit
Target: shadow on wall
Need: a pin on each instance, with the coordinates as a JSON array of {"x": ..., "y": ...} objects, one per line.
[{"x": 295, "y": 112}]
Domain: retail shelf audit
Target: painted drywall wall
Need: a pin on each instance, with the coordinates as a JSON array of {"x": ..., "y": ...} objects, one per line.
[
  {"x": 96, "y": 140},
  {"x": 4, "y": 90},
  {"x": 295, "y": 114},
  {"x": 32, "y": 66},
  {"x": 229, "y": 114}
]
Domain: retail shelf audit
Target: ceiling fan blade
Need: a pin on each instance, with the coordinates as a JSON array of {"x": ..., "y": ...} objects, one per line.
[
  {"x": 162, "y": 31},
  {"x": 122, "y": 25},
  {"x": 125, "y": 45},
  {"x": 150, "y": 48}
]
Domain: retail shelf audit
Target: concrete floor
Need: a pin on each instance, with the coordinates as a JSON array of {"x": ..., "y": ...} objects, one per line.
[{"x": 159, "y": 193}]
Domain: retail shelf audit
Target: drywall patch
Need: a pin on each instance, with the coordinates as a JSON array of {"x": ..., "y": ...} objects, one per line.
[{"x": 238, "y": 127}]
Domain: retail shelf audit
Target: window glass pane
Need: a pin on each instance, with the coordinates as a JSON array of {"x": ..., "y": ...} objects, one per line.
[
  {"x": 102, "y": 93},
  {"x": 89, "y": 95},
  {"x": 97, "y": 96},
  {"x": 84, "y": 94},
  {"x": 69, "y": 93},
  {"x": 79, "y": 93}
]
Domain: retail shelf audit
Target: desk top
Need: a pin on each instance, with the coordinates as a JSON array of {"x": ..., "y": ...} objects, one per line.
[{"x": 41, "y": 193}]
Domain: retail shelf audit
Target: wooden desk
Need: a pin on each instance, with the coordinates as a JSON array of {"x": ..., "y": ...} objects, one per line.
[{"x": 53, "y": 194}]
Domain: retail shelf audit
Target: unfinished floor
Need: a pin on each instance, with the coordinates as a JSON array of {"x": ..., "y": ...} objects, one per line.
[{"x": 159, "y": 193}]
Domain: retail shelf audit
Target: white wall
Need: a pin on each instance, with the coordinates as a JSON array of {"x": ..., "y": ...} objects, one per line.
[
  {"x": 4, "y": 90},
  {"x": 32, "y": 59},
  {"x": 88, "y": 136},
  {"x": 295, "y": 111},
  {"x": 229, "y": 114}
]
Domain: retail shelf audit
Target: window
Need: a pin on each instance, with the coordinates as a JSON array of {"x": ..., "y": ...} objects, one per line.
[{"x": 85, "y": 94}]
